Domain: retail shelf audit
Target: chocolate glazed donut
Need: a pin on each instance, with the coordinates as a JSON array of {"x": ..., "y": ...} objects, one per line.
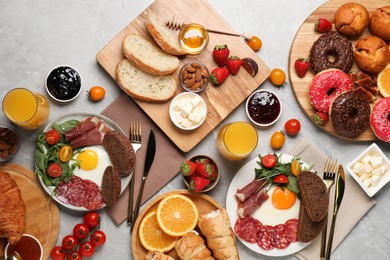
[
  {"x": 350, "y": 114},
  {"x": 331, "y": 50}
]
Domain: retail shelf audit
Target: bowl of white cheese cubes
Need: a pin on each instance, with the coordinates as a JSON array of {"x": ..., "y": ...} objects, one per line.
[
  {"x": 371, "y": 169},
  {"x": 188, "y": 110}
]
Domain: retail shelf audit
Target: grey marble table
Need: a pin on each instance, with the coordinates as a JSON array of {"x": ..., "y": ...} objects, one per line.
[{"x": 37, "y": 35}]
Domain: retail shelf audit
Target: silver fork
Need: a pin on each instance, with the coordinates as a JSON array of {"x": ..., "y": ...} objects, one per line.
[
  {"x": 329, "y": 176},
  {"x": 135, "y": 134}
]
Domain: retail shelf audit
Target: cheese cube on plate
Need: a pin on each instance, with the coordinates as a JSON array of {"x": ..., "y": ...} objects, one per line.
[
  {"x": 358, "y": 168},
  {"x": 366, "y": 159},
  {"x": 367, "y": 182},
  {"x": 186, "y": 110},
  {"x": 365, "y": 176},
  {"x": 376, "y": 161},
  {"x": 374, "y": 180},
  {"x": 377, "y": 171},
  {"x": 366, "y": 168}
]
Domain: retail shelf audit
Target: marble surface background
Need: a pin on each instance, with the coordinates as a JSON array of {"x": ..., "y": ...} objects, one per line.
[{"x": 36, "y": 36}]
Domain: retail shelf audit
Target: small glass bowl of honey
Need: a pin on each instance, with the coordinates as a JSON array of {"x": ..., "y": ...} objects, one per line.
[{"x": 193, "y": 38}]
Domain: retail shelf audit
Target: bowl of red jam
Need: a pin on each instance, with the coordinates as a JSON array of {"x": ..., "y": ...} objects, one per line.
[
  {"x": 263, "y": 107},
  {"x": 63, "y": 83}
]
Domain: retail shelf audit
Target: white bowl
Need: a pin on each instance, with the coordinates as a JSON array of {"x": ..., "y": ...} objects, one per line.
[
  {"x": 372, "y": 150},
  {"x": 31, "y": 245},
  {"x": 264, "y": 95},
  {"x": 188, "y": 111}
]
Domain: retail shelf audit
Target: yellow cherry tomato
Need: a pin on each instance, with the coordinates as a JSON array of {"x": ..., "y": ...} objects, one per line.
[
  {"x": 255, "y": 43},
  {"x": 295, "y": 167},
  {"x": 278, "y": 77},
  {"x": 65, "y": 153},
  {"x": 277, "y": 140},
  {"x": 96, "y": 93}
]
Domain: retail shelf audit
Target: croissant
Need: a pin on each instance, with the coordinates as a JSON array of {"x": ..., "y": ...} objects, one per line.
[
  {"x": 215, "y": 226},
  {"x": 156, "y": 255},
  {"x": 12, "y": 209},
  {"x": 192, "y": 247}
]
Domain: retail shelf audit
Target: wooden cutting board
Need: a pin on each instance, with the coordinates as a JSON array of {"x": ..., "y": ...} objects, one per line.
[
  {"x": 221, "y": 101},
  {"x": 301, "y": 48},
  {"x": 43, "y": 218}
]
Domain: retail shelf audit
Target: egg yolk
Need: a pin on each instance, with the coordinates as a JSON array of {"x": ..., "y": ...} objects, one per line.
[
  {"x": 283, "y": 198},
  {"x": 88, "y": 159}
]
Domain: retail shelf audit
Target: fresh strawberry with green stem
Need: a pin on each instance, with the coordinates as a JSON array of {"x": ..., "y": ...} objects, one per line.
[
  {"x": 234, "y": 64},
  {"x": 301, "y": 66},
  {"x": 205, "y": 170},
  {"x": 320, "y": 118},
  {"x": 221, "y": 54},
  {"x": 322, "y": 25},
  {"x": 188, "y": 168},
  {"x": 198, "y": 183},
  {"x": 219, "y": 75}
]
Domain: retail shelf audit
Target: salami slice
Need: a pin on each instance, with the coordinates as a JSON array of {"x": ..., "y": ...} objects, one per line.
[
  {"x": 247, "y": 229},
  {"x": 279, "y": 239},
  {"x": 264, "y": 239},
  {"x": 291, "y": 229}
]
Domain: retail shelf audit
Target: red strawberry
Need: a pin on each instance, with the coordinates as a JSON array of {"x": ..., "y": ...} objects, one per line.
[
  {"x": 213, "y": 173},
  {"x": 234, "y": 64},
  {"x": 188, "y": 168},
  {"x": 322, "y": 25},
  {"x": 198, "y": 183},
  {"x": 205, "y": 170},
  {"x": 221, "y": 54},
  {"x": 320, "y": 118},
  {"x": 301, "y": 66},
  {"x": 219, "y": 75}
]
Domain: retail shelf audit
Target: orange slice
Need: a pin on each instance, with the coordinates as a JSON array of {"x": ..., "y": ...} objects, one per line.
[
  {"x": 177, "y": 215},
  {"x": 383, "y": 81},
  {"x": 152, "y": 237}
]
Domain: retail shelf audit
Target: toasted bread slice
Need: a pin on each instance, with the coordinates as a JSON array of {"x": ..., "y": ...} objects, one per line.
[
  {"x": 307, "y": 229},
  {"x": 147, "y": 56},
  {"x": 144, "y": 86},
  {"x": 111, "y": 186},
  {"x": 162, "y": 35},
  {"x": 314, "y": 194}
]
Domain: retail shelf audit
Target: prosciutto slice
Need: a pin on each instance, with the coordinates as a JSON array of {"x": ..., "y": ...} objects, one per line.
[
  {"x": 92, "y": 137},
  {"x": 244, "y": 193},
  {"x": 252, "y": 203},
  {"x": 83, "y": 127}
]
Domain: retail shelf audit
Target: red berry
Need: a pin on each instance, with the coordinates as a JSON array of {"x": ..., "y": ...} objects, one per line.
[
  {"x": 301, "y": 66},
  {"x": 198, "y": 183},
  {"x": 322, "y": 25},
  {"x": 219, "y": 75},
  {"x": 320, "y": 118},
  {"x": 234, "y": 64},
  {"x": 221, "y": 54},
  {"x": 188, "y": 168}
]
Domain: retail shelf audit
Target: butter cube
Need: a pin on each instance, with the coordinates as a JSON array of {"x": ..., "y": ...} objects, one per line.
[
  {"x": 374, "y": 180},
  {"x": 367, "y": 183},
  {"x": 357, "y": 168},
  {"x": 366, "y": 168},
  {"x": 377, "y": 171},
  {"x": 376, "y": 161},
  {"x": 364, "y": 176},
  {"x": 186, "y": 110},
  {"x": 195, "y": 101},
  {"x": 366, "y": 159}
]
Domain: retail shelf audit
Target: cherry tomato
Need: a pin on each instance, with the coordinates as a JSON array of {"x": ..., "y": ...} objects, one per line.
[
  {"x": 65, "y": 153},
  {"x": 98, "y": 238},
  {"x": 80, "y": 231},
  {"x": 75, "y": 255},
  {"x": 277, "y": 140},
  {"x": 269, "y": 161},
  {"x": 92, "y": 219},
  {"x": 96, "y": 93},
  {"x": 86, "y": 248},
  {"x": 57, "y": 253},
  {"x": 295, "y": 167},
  {"x": 255, "y": 43},
  {"x": 54, "y": 170},
  {"x": 277, "y": 77},
  {"x": 292, "y": 126},
  {"x": 281, "y": 178},
  {"x": 69, "y": 242},
  {"x": 52, "y": 137}
]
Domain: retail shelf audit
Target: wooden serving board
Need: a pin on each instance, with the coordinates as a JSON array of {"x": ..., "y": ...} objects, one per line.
[
  {"x": 301, "y": 45},
  {"x": 222, "y": 100},
  {"x": 203, "y": 202},
  {"x": 43, "y": 218}
]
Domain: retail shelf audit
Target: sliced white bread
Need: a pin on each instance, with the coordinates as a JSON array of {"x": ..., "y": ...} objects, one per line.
[
  {"x": 162, "y": 35},
  {"x": 141, "y": 85},
  {"x": 147, "y": 56}
]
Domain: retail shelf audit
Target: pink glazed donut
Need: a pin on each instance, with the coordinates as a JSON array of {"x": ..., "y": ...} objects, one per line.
[
  {"x": 326, "y": 86},
  {"x": 380, "y": 119}
]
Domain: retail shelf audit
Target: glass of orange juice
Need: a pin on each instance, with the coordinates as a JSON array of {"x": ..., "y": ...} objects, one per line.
[
  {"x": 235, "y": 141},
  {"x": 26, "y": 109}
]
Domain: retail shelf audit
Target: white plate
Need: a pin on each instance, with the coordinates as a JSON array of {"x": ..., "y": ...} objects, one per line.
[
  {"x": 81, "y": 116},
  {"x": 244, "y": 176}
]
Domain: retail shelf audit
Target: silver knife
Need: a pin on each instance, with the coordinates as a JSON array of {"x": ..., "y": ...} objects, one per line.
[
  {"x": 340, "y": 187},
  {"x": 150, "y": 152}
]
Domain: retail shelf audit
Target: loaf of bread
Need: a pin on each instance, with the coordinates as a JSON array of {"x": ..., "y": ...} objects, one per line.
[
  {"x": 351, "y": 19},
  {"x": 380, "y": 23},
  {"x": 111, "y": 186},
  {"x": 147, "y": 56},
  {"x": 141, "y": 85},
  {"x": 162, "y": 35},
  {"x": 314, "y": 195},
  {"x": 192, "y": 247},
  {"x": 371, "y": 54},
  {"x": 307, "y": 229}
]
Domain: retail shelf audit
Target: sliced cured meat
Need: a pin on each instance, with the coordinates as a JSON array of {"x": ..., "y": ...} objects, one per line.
[
  {"x": 81, "y": 128},
  {"x": 247, "y": 229},
  {"x": 279, "y": 239},
  {"x": 265, "y": 237},
  {"x": 244, "y": 193},
  {"x": 92, "y": 137},
  {"x": 291, "y": 230},
  {"x": 252, "y": 203}
]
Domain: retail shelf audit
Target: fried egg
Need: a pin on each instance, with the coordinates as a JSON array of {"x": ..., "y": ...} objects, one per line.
[
  {"x": 269, "y": 214},
  {"x": 93, "y": 161}
]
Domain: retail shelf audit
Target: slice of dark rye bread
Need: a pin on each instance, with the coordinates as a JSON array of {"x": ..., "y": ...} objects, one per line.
[
  {"x": 314, "y": 194},
  {"x": 111, "y": 186},
  {"x": 120, "y": 151},
  {"x": 307, "y": 229}
]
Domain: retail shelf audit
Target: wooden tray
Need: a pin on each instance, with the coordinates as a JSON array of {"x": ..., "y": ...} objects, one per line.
[
  {"x": 43, "y": 219},
  {"x": 301, "y": 48},
  {"x": 221, "y": 101},
  {"x": 203, "y": 202}
]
